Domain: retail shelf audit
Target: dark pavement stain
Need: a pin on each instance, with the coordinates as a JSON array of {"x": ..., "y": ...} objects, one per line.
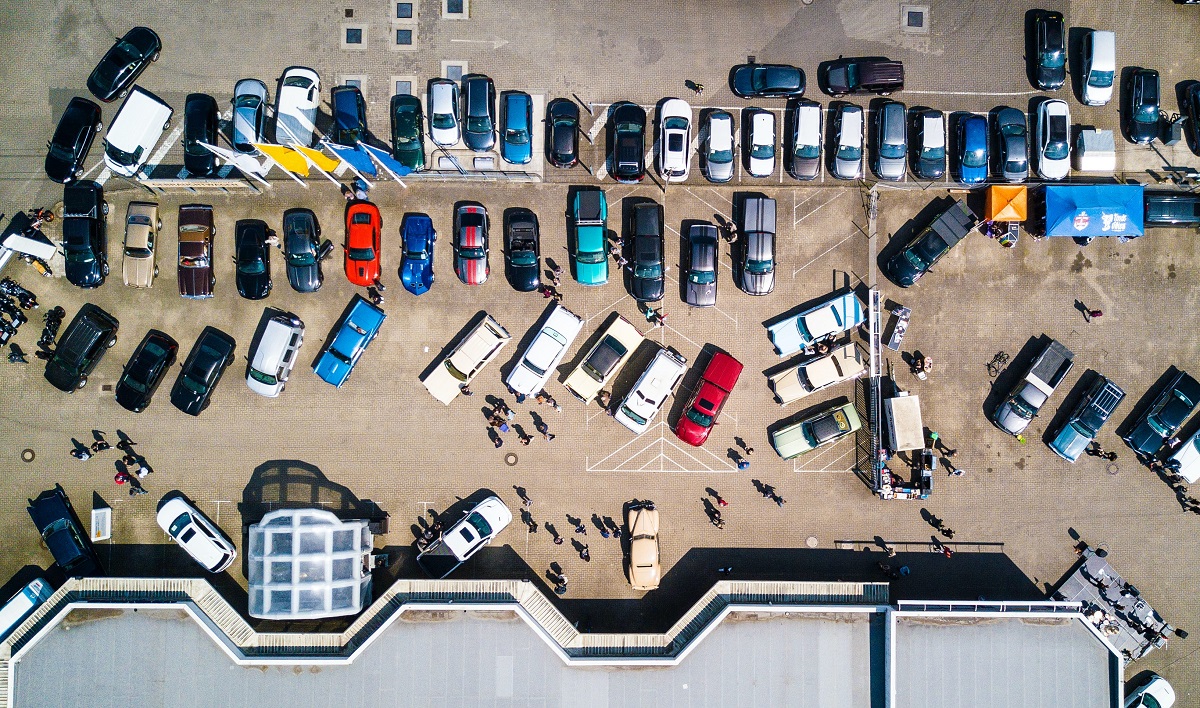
[
  {"x": 650, "y": 49},
  {"x": 1020, "y": 464},
  {"x": 1171, "y": 271},
  {"x": 1080, "y": 263}
]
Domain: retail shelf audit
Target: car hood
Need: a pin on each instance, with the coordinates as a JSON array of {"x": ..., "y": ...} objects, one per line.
[
  {"x": 524, "y": 278},
  {"x": 132, "y": 400},
  {"x": 1070, "y": 442},
  {"x": 758, "y": 283},
  {"x": 138, "y": 271},
  {"x": 472, "y": 271},
  {"x": 806, "y": 167},
  {"x": 254, "y": 286},
  {"x": 1007, "y": 419},
  {"x": 891, "y": 168},
  {"x": 85, "y": 274},
  {"x": 1144, "y": 439},
  {"x": 362, "y": 273},
  {"x": 195, "y": 282},
  {"x": 647, "y": 289},
  {"x": 305, "y": 279},
  {"x": 701, "y": 294},
  {"x": 591, "y": 273},
  {"x": 59, "y": 170},
  {"x": 417, "y": 275},
  {"x": 1052, "y": 78},
  {"x": 720, "y": 171},
  {"x": 901, "y": 271},
  {"x": 186, "y": 399}
]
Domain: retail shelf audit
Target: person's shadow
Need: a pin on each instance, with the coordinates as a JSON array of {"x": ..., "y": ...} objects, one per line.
[{"x": 1083, "y": 309}]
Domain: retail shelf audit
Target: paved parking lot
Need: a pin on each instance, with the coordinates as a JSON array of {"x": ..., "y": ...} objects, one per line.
[{"x": 382, "y": 438}]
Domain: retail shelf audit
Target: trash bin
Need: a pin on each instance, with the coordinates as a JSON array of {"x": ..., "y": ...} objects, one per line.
[{"x": 1172, "y": 130}]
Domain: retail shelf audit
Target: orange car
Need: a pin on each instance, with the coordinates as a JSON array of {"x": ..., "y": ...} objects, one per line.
[{"x": 363, "y": 229}]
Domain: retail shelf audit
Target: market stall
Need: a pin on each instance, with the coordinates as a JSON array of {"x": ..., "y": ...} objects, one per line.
[{"x": 1085, "y": 211}]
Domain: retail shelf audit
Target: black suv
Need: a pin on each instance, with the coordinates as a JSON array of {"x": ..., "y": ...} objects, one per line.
[
  {"x": 210, "y": 356},
  {"x": 81, "y": 348},
  {"x": 646, "y": 282},
  {"x": 55, "y": 520},
  {"x": 562, "y": 132},
  {"x": 85, "y": 234},
  {"x": 72, "y": 140},
  {"x": 479, "y": 112},
  {"x": 145, "y": 371},
  {"x": 199, "y": 126},
  {"x": 1050, "y": 51},
  {"x": 629, "y": 143},
  {"x": 866, "y": 75}
]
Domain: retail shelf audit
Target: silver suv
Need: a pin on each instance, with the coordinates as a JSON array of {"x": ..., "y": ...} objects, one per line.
[
  {"x": 272, "y": 360},
  {"x": 891, "y": 141}
]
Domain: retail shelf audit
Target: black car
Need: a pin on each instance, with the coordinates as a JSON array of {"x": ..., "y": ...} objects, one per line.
[
  {"x": 302, "y": 250},
  {"x": 72, "y": 140},
  {"x": 62, "y": 533},
  {"x": 1050, "y": 51},
  {"x": 864, "y": 75},
  {"x": 1141, "y": 118},
  {"x": 408, "y": 135},
  {"x": 1191, "y": 107},
  {"x": 562, "y": 133},
  {"x": 81, "y": 347},
  {"x": 923, "y": 251},
  {"x": 1167, "y": 208},
  {"x": 85, "y": 234},
  {"x": 767, "y": 80},
  {"x": 210, "y": 356},
  {"x": 349, "y": 115},
  {"x": 145, "y": 371},
  {"x": 479, "y": 112},
  {"x": 1165, "y": 416},
  {"x": 522, "y": 250},
  {"x": 629, "y": 143},
  {"x": 123, "y": 63},
  {"x": 199, "y": 126},
  {"x": 646, "y": 280},
  {"x": 253, "y": 259}
]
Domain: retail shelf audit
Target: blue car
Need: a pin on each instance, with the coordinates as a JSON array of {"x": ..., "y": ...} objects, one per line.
[
  {"x": 416, "y": 267},
  {"x": 972, "y": 150},
  {"x": 345, "y": 345},
  {"x": 516, "y": 126}
]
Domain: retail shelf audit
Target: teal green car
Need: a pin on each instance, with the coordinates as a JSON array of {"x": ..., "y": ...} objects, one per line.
[
  {"x": 589, "y": 257},
  {"x": 408, "y": 143}
]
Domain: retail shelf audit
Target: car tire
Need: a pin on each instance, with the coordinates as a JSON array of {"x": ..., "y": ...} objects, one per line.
[
  {"x": 885, "y": 93},
  {"x": 112, "y": 342},
  {"x": 104, "y": 209},
  {"x": 78, "y": 172},
  {"x": 99, "y": 126},
  {"x": 166, "y": 126},
  {"x": 154, "y": 57},
  {"x": 123, "y": 94},
  {"x": 159, "y": 225},
  {"x": 104, "y": 270},
  {"x": 81, "y": 384}
]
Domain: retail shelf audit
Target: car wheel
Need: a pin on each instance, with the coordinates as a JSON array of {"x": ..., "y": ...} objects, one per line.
[
  {"x": 82, "y": 382},
  {"x": 78, "y": 172},
  {"x": 111, "y": 342},
  {"x": 885, "y": 93},
  {"x": 104, "y": 209},
  {"x": 156, "y": 271},
  {"x": 154, "y": 57},
  {"x": 159, "y": 225},
  {"x": 123, "y": 94},
  {"x": 104, "y": 269},
  {"x": 166, "y": 126}
]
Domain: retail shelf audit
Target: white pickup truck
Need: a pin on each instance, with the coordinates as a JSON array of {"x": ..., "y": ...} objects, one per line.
[{"x": 1031, "y": 392}]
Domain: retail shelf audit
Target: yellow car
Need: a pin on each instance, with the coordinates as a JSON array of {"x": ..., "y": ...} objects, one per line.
[{"x": 645, "y": 572}]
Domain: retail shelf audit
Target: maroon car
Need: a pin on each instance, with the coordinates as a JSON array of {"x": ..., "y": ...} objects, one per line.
[{"x": 196, "y": 229}]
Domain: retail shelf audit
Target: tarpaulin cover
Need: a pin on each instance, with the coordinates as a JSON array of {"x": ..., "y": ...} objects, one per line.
[
  {"x": 1007, "y": 202},
  {"x": 1095, "y": 210}
]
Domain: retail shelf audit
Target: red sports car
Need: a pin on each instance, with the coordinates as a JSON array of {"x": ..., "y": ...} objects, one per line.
[
  {"x": 716, "y": 383},
  {"x": 363, "y": 229}
]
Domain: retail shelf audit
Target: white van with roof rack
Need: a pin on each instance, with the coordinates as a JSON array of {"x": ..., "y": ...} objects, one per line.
[
  {"x": 653, "y": 388},
  {"x": 139, "y": 125}
]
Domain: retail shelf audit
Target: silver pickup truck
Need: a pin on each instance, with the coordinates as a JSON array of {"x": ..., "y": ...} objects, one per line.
[{"x": 1031, "y": 392}]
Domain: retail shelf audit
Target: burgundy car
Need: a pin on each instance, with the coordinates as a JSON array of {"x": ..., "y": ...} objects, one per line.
[
  {"x": 716, "y": 383},
  {"x": 196, "y": 229}
]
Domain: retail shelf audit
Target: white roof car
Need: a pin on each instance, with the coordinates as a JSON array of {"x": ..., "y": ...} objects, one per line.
[
  {"x": 443, "y": 112},
  {"x": 477, "y": 528},
  {"x": 1099, "y": 67},
  {"x": 545, "y": 352},
  {"x": 1186, "y": 460},
  {"x": 196, "y": 534},
  {"x": 1054, "y": 139},
  {"x": 675, "y": 152},
  {"x": 272, "y": 360},
  {"x": 651, "y": 391},
  {"x": 762, "y": 144},
  {"x": 718, "y": 147},
  {"x": 613, "y": 348},
  {"x": 460, "y": 367},
  {"x": 132, "y": 135},
  {"x": 296, "y": 106},
  {"x": 1155, "y": 693},
  {"x": 847, "y": 163},
  {"x": 842, "y": 364}
]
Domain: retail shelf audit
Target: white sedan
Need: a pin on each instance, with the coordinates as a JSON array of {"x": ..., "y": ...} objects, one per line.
[
  {"x": 296, "y": 106},
  {"x": 545, "y": 352},
  {"x": 196, "y": 534},
  {"x": 1054, "y": 139},
  {"x": 443, "y": 112},
  {"x": 761, "y": 144},
  {"x": 675, "y": 152},
  {"x": 1155, "y": 693},
  {"x": 842, "y": 364}
]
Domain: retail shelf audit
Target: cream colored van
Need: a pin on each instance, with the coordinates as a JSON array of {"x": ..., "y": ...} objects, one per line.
[{"x": 1099, "y": 67}]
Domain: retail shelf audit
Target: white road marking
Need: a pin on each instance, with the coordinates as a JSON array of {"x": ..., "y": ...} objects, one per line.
[
  {"x": 822, "y": 253},
  {"x": 973, "y": 93},
  {"x": 796, "y": 222},
  {"x": 148, "y": 168}
]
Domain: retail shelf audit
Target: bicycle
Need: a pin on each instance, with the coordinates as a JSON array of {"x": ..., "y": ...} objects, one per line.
[{"x": 998, "y": 361}]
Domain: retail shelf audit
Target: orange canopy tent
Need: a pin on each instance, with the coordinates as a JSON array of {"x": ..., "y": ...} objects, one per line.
[{"x": 1007, "y": 202}]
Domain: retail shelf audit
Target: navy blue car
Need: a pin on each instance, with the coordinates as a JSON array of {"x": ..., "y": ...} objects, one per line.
[
  {"x": 416, "y": 266},
  {"x": 1165, "y": 416},
  {"x": 349, "y": 116}
]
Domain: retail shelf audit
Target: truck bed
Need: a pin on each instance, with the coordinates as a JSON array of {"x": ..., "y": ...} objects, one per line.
[
  {"x": 1051, "y": 367},
  {"x": 438, "y": 560}
]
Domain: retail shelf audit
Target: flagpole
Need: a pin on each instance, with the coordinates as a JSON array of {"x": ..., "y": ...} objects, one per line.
[{"x": 375, "y": 158}]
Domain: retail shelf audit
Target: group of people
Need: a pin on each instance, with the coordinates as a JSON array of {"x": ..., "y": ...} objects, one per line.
[
  {"x": 132, "y": 467},
  {"x": 501, "y": 419}
]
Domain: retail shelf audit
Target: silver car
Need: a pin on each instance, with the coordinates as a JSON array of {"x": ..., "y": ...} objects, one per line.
[
  {"x": 701, "y": 287},
  {"x": 847, "y": 160},
  {"x": 718, "y": 146},
  {"x": 249, "y": 114},
  {"x": 1012, "y": 137},
  {"x": 891, "y": 141}
]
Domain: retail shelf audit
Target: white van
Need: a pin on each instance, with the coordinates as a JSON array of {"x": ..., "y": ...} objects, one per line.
[
  {"x": 139, "y": 125},
  {"x": 272, "y": 360},
  {"x": 653, "y": 388},
  {"x": 464, "y": 362},
  {"x": 23, "y": 604},
  {"x": 1099, "y": 67}
]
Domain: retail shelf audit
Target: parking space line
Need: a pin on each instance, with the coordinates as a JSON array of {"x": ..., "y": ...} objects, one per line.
[
  {"x": 607, "y": 310},
  {"x": 796, "y": 222},
  {"x": 705, "y": 203},
  {"x": 822, "y": 253},
  {"x": 148, "y": 168},
  {"x": 665, "y": 445},
  {"x": 971, "y": 93}
]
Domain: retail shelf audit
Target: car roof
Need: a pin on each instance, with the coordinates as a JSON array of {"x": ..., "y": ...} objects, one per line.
[{"x": 808, "y": 124}]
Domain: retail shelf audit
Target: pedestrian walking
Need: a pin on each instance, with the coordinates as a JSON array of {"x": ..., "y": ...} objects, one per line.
[
  {"x": 122, "y": 477},
  {"x": 558, "y": 297},
  {"x": 498, "y": 442},
  {"x": 557, "y": 270},
  {"x": 891, "y": 551},
  {"x": 374, "y": 296},
  {"x": 129, "y": 460},
  {"x": 100, "y": 446},
  {"x": 378, "y": 284},
  {"x": 16, "y": 355},
  {"x": 947, "y": 532},
  {"x": 721, "y": 501},
  {"x": 956, "y": 471},
  {"x": 360, "y": 190},
  {"x": 604, "y": 398},
  {"x": 743, "y": 464},
  {"x": 1110, "y": 456},
  {"x": 553, "y": 403},
  {"x": 699, "y": 89},
  {"x": 715, "y": 518},
  {"x": 540, "y": 398},
  {"x": 548, "y": 436},
  {"x": 779, "y": 501},
  {"x": 580, "y": 528},
  {"x": 947, "y": 551},
  {"x": 546, "y": 291},
  {"x": 604, "y": 532},
  {"x": 525, "y": 438},
  {"x": 81, "y": 453},
  {"x": 1093, "y": 315},
  {"x": 142, "y": 469},
  {"x": 749, "y": 450},
  {"x": 585, "y": 554},
  {"x": 272, "y": 239},
  {"x": 558, "y": 540},
  {"x": 555, "y": 281},
  {"x": 465, "y": 389},
  {"x": 347, "y": 193},
  {"x": 520, "y": 398}
]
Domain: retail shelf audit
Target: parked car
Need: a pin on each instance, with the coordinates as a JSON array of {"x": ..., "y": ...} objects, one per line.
[
  {"x": 468, "y": 357},
  {"x": 138, "y": 126},
  {"x": 1185, "y": 461},
  {"x": 348, "y": 340},
  {"x": 479, "y": 112},
  {"x": 18, "y": 608},
  {"x": 766, "y": 80},
  {"x": 700, "y": 414},
  {"x": 146, "y": 369},
  {"x": 845, "y": 363},
  {"x": 196, "y": 534},
  {"x": 516, "y": 127},
  {"x": 1165, "y": 208},
  {"x": 675, "y": 151},
  {"x": 612, "y": 350},
  {"x": 195, "y": 266},
  {"x": 848, "y": 123},
  {"x": 349, "y": 116},
  {"x": 140, "y": 264},
  {"x": 416, "y": 264},
  {"x": 57, "y": 524},
  {"x": 272, "y": 360},
  {"x": 303, "y": 250},
  {"x": 700, "y": 288},
  {"x": 760, "y": 143},
  {"x": 804, "y": 158},
  {"x": 645, "y": 569},
  {"x": 1083, "y": 425},
  {"x": 81, "y": 346},
  {"x": 929, "y": 159},
  {"x": 1054, "y": 139},
  {"x": 210, "y": 356},
  {"x": 562, "y": 132},
  {"x": 822, "y": 428},
  {"x": 72, "y": 140},
  {"x": 891, "y": 141},
  {"x": 833, "y": 315},
  {"x": 1099, "y": 67},
  {"x": 471, "y": 226},
  {"x": 1034, "y": 388},
  {"x": 123, "y": 63},
  {"x": 408, "y": 131},
  {"x": 629, "y": 142},
  {"x": 1165, "y": 416},
  {"x": 364, "y": 233},
  {"x": 920, "y": 254},
  {"x": 199, "y": 126},
  {"x": 545, "y": 351},
  {"x": 755, "y": 266},
  {"x": 878, "y": 75},
  {"x": 1012, "y": 141},
  {"x": 588, "y": 254},
  {"x": 1050, "y": 51},
  {"x": 249, "y": 115},
  {"x": 85, "y": 234},
  {"x": 464, "y": 539},
  {"x": 972, "y": 150},
  {"x": 296, "y": 106},
  {"x": 443, "y": 112},
  {"x": 1155, "y": 693},
  {"x": 718, "y": 146},
  {"x": 651, "y": 391},
  {"x": 522, "y": 250},
  {"x": 253, "y": 258},
  {"x": 1141, "y": 118},
  {"x": 647, "y": 279}
]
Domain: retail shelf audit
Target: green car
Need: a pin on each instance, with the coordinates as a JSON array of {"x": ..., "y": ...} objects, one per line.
[
  {"x": 827, "y": 426},
  {"x": 408, "y": 144},
  {"x": 588, "y": 256}
]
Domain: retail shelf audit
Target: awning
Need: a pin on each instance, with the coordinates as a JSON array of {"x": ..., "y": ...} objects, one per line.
[
  {"x": 1095, "y": 210},
  {"x": 1007, "y": 202}
]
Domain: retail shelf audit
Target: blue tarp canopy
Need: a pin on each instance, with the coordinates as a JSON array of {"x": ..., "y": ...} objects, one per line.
[{"x": 1095, "y": 210}]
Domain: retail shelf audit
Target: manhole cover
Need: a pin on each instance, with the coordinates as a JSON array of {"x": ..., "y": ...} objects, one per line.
[
  {"x": 1113, "y": 468},
  {"x": 811, "y": 542},
  {"x": 510, "y": 459},
  {"x": 28, "y": 454}
]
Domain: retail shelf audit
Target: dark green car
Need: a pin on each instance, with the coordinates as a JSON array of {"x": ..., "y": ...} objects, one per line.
[{"x": 408, "y": 144}]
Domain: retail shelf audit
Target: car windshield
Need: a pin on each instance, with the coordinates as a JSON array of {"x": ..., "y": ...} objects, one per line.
[
  {"x": 476, "y": 124},
  {"x": 929, "y": 249},
  {"x": 591, "y": 256},
  {"x": 891, "y": 151},
  {"x": 849, "y": 152},
  {"x": 1100, "y": 79},
  {"x": 759, "y": 267},
  {"x": 762, "y": 152},
  {"x": 720, "y": 157},
  {"x": 297, "y": 81},
  {"x": 62, "y": 153},
  {"x": 253, "y": 267},
  {"x": 79, "y": 254},
  {"x": 1054, "y": 59},
  {"x": 416, "y": 254},
  {"x": 301, "y": 259},
  {"x": 1147, "y": 113},
  {"x": 808, "y": 152},
  {"x": 629, "y": 128},
  {"x": 121, "y": 157},
  {"x": 482, "y": 527},
  {"x": 936, "y": 154},
  {"x": 702, "y": 277},
  {"x": 633, "y": 416},
  {"x": 975, "y": 158},
  {"x": 516, "y": 137},
  {"x": 524, "y": 258},
  {"x": 471, "y": 253},
  {"x": 135, "y": 384},
  {"x": 139, "y": 252},
  {"x": 675, "y": 123},
  {"x": 704, "y": 421},
  {"x": 362, "y": 254},
  {"x": 180, "y": 523},
  {"x": 443, "y": 121},
  {"x": 194, "y": 385},
  {"x": 263, "y": 377},
  {"x": 647, "y": 270}
]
